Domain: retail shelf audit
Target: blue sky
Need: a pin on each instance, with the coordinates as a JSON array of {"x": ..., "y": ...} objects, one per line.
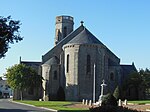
[{"x": 122, "y": 25}]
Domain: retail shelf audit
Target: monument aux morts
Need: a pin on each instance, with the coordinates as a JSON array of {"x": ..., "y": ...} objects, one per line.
[{"x": 68, "y": 67}]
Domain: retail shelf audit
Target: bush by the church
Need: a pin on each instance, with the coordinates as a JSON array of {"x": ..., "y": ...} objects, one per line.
[
  {"x": 109, "y": 99},
  {"x": 60, "y": 94},
  {"x": 110, "y": 108},
  {"x": 117, "y": 93}
]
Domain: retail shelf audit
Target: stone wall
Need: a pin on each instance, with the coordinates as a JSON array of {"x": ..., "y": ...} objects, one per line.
[
  {"x": 72, "y": 85},
  {"x": 54, "y": 82},
  {"x": 79, "y": 83}
]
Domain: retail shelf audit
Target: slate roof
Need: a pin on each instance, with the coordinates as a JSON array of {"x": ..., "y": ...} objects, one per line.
[
  {"x": 53, "y": 60},
  {"x": 79, "y": 36},
  {"x": 127, "y": 69},
  {"x": 30, "y": 63},
  {"x": 85, "y": 37}
]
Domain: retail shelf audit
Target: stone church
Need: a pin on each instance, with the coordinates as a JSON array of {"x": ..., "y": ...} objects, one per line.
[{"x": 70, "y": 66}]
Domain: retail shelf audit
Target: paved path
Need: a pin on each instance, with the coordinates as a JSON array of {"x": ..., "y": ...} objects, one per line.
[{"x": 8, "y": 106}]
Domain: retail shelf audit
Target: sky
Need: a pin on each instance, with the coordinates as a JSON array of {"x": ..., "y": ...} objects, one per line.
[{"x": 122, "y": 25}]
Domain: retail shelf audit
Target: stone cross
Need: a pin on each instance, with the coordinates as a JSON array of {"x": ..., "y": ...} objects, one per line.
[
  {"x": 102, "y": 90},
  {"x": 81, "y": 23}
]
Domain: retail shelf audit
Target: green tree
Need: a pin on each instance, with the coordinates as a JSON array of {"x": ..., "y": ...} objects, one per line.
[
  {"x": 22, "y": 77},
  {"x": 145, "y": 74},
  {"x": 9, "y": 33},
  {"x": 140, "y": 81},
  {"x": 135, "y": 81}
]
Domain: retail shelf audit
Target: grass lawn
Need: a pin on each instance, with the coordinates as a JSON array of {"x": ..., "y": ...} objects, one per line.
[
  {"x": 140, "y": 102},
  {"x": 57, "y": 105}
]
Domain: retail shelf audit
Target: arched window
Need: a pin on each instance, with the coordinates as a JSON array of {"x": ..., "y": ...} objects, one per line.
[
  {"x": 88, "y": 68},
  {"x": 55, "y": 75},
  {"x": 112, "y": 76},
  {"x": 67, "y": 70},
  {"x": 65, "y": 32}
]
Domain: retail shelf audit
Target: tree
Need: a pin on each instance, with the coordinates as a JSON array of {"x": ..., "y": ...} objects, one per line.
[
  {"x": 9, "y": 34},
  {"x": 134, "y": 81},
  {"x": 139, "y": 81},
  {"x": 145, "y": 74},
  {"x": 116, "y": 93},
  {"x": 22, "y": 77}
]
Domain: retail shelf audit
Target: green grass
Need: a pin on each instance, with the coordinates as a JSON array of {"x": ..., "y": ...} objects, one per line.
[
  {"x": 140, "y": 102},
  {"x": 62, "y": 105},
  {"x": 57, "y": 105}
]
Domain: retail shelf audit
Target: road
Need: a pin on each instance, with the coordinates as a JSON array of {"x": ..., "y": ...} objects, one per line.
[{"x": 8, "y": 106}]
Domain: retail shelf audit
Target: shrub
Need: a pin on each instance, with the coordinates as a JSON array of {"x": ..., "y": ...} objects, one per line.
[
  {"x": 106, "y": 108},
  {"x": 61, "y": 94},
  {"x": 116, "y": 93},
  {"x": 109, "y": 99}
]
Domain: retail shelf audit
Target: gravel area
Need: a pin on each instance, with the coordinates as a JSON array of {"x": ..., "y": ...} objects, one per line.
[{"x": 139, "y": 107}]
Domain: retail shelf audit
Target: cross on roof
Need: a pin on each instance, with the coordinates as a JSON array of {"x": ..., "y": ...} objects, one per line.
[{"x": 81, "y": 23}]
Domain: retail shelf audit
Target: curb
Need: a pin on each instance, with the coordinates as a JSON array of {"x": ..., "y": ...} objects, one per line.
[
  {"x": 48, "y": 109},
  {"x": 34, "y": 106}
]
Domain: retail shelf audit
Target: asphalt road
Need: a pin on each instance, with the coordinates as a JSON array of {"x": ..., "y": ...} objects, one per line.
[{"x": 8, "y": 106}]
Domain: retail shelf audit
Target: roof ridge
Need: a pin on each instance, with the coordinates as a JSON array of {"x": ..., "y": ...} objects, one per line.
[{"x": 85, "y": 36}]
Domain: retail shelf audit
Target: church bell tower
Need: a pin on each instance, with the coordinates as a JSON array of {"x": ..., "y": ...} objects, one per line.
[{"x": 64, "y": 26}]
